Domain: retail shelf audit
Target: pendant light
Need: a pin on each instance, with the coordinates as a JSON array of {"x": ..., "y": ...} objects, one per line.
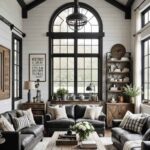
[{"x": 76, "y": 20}]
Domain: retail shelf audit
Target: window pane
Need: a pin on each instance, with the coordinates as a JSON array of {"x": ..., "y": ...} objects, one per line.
[
  {"x": 63, "y": 75},
  {"x": 70, "y": 75},
  {"x": 88, "y": 63},
  {"x": 56, "y": 63},
  {"x": 80, "y": 75},
  {"x": 64, "y": 63},
  {"x": 146, "y": 91},
  {"x": 94, "y": 63},
  {"x": 145, "y": 75},
  {"x": 94, "y": 75},
  {"x": 88, "y": 74},
  {"x": 70, "y": 63},
  {"x": 56, "y": 75},
  {"x": 80, "y": 87},
  {"x": 81, "y": 63},
  {"x": 56, "y": 49},
  {"x": 146, "y": 62},
  {"x": 56, "y": 86},
  {"x": 71, "y": 87}
]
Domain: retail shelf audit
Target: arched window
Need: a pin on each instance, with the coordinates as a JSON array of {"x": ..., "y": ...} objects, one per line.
[{"x": 75, "y": 57}]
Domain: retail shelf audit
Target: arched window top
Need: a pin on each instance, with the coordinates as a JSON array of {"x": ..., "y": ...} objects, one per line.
[{"x": 58, "y": 21}]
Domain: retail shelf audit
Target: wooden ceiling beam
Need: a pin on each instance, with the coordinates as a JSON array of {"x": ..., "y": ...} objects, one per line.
[
  {"x": 34, "y": 4},
  {"x": 130, "y": 3},
  {"x": 117, "y": 4},
  {"x": 21, "y": 3}
]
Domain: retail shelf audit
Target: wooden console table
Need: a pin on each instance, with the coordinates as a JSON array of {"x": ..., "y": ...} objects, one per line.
[
  {"x": 37, "y": 108},
  {"x": 84, "y": 102}
]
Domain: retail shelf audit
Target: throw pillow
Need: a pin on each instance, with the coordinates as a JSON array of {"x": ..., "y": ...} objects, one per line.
[
  {"x": 135, "y": 124},
  {"x": 98, "y": 111},
  {"x": 21, "y": 122},
  {"x": 60, "y": 113},
  {"x": 89, "y": 113},
  {"x": 51, "y": 110},
  {"x": 29, "y": 115},
  {"x": 125, "y": 118},
  {"x": 5, "y": 125}
]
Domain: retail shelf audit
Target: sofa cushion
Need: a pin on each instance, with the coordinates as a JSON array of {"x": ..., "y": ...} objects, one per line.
[
  {"x": 70, "y": 111},
  {"x": 89, "y": 113},
  {"x": 35, "y": 130},
  {"x": 95, "y": 123},
  {"x": 51, "y": 111},
  {"x": 79, "y": 111},
  {"x": 117, "y": 132},
  {"x": 135, "y": 124},
  {"x": 146, "y": 125},
  {"x": 29, "y": 115},
  {"x": 21, "y": 122},
  {"x": 130, "y": 137},
  {"x": 26, "y": 139},
  {"x": 6, "y": 115},
  {"x": 146, "y": 136},
  {"x": 61, "y": 123},
  {"x": 60, "y": 113}
]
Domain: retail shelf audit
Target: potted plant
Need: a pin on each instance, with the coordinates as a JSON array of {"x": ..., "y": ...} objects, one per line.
[
  {"x": 62, "y": 93},
  {"x": 131, "y": 91}
]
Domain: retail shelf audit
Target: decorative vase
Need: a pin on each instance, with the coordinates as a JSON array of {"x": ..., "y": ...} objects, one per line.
[
  {"x": 132, "y": 100},
  {"x": 83, "y": 136}
]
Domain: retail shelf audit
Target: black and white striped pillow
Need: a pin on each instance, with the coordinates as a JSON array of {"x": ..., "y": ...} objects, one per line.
[
  {"x": 135, "y": 124},
  {"x": 21, "y": 122}
]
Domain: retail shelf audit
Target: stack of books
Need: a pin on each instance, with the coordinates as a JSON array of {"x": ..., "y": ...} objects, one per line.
[{"x": 88, "y": 145}]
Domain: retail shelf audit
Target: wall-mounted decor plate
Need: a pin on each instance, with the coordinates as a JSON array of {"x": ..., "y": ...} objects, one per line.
[{"x": 118, "y": 51}]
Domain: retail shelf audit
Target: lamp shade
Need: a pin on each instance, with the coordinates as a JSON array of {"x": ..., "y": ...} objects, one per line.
[{"x": 28, "y": 85}]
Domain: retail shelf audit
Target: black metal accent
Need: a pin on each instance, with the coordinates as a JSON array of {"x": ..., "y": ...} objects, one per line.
[
  {"x": 143, "y": 15},
  {"x": 76, "y": 35},
  {"x": 14, "y": 36},
  {"x": 142, "y": 64},
  {"x": 12, "y": 26},
  {"x": 34, "y": 4}
]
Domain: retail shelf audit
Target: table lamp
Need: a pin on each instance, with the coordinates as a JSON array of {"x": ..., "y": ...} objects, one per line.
[{"x": 28, "y": 85}]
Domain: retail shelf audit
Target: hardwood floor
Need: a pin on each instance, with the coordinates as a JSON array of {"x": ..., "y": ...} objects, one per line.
[{"x": 108, "y": 133}]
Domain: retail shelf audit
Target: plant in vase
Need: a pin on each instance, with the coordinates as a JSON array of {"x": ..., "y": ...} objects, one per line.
[
  {"x": 131, "y": 91},
  {"x": 83, "y": 129},
  {"x": 62, "y": 93}
]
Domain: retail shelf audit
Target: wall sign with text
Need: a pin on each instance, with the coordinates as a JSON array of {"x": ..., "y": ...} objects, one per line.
[{"x": 37, "y": 67}]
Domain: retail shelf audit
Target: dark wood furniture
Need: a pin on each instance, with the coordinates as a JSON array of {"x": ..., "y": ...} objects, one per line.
[
  {"x": 117, "y": 111},
  {"x": 88, "y": 102},
  {"x": 37, "y": 108}
]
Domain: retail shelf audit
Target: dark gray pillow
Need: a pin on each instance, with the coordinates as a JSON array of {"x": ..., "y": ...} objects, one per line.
[
  {"x": 70, "y": 111},
  {"x": 79, "y": 111}
]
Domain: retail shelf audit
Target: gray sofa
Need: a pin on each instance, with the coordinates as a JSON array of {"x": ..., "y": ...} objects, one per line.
[
  {"x": 120, "y": 136},
  {"x": 24, "y": 139},
  {"x": 75, "y": 114}
]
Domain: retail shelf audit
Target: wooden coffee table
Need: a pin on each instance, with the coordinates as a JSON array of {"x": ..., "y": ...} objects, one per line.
[{"x": 52, "y": 144}]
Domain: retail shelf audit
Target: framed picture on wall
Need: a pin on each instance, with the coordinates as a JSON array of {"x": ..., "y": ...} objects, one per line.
[{"x": 37, "y": 67}]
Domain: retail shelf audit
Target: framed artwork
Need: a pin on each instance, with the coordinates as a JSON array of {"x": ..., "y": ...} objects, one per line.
[
  {"x": 4, "y": 72},
  {"x": 37, "y": 67}
]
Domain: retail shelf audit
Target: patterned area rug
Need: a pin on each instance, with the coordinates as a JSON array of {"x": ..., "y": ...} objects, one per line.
[{"x": 105, "y": 140}]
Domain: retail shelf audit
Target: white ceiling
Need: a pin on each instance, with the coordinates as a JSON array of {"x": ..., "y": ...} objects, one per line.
[{"x": 124, "y": 2}]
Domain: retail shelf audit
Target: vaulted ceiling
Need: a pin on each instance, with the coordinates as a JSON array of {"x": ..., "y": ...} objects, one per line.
[{"x": 123, "y": 5}]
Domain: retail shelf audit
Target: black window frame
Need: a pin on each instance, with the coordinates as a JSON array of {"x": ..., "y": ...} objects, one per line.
[
  {"x": 19, "y": 39},
  {"x": 143, "y": 68},
  {"x": 143, "y": 17},
  {"x": 76, "y": 35}
]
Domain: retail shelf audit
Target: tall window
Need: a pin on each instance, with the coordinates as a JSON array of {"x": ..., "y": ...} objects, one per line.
[
  {"x": 75, "y": 56},
  {"x": 16, "y": 67},
  {"x": 146, "y": 68},
  {"x": 146, "y": 16}
]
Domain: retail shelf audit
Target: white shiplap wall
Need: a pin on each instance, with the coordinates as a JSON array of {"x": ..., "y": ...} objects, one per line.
[
  {"x": 116, "y": 28},
  {"x": 11, "y": 10}
]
